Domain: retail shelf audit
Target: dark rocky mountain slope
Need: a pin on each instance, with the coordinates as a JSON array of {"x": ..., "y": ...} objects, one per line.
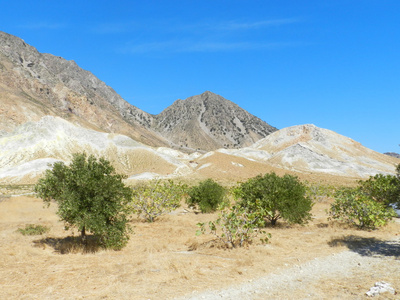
[
  {"x": 209, "y": 121},
  {"x": 393, "y": 154}
]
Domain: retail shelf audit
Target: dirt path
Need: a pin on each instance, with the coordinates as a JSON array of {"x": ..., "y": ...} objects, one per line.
[{"x": 338, "y": 276}]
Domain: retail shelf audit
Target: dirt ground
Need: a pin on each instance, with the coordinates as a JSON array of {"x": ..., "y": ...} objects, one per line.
[{"x": 165, "y": 260}]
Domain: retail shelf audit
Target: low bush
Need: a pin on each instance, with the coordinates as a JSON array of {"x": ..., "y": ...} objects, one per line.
[
  {"x": 208, "y": 195},
  {"x": 381, "y": 188},
  {"x": 319, "y": 192},
  {"x": 355, "y": 207},
  {"x": 236, "y": 227},
  {"x": 31, "y": 229},
  {"x": 150, "y": 200}
]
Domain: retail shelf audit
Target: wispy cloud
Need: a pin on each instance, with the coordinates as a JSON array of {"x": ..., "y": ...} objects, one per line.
[
  {"x": 114, "y": 28},
  {"x": 189, "y": 46},
  {"x": 165, "y": 26},
  {"x": 235, "y": 25},
  {"x": 201, "y": 37},
  {"x": 43, "y": 25}
]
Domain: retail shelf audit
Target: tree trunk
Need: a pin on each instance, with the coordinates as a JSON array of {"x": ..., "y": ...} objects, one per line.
[{"x": 83, "y": 235}]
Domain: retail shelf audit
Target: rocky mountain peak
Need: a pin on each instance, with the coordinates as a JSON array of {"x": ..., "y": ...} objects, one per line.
[{"x": 209, "y": 121}]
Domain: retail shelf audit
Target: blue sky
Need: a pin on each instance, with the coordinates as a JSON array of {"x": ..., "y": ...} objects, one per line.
[{"x": 332, "y": 63}]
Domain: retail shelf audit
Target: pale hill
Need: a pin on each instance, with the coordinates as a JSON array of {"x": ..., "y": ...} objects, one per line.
[
  {"x": 310, "y": 152},
  {"x": 26, "y": 153},
  {"x": 307, "y": 148},
  {"x": 208, "y": 122}
]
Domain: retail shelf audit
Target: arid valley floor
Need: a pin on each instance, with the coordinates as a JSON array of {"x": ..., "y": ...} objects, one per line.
[{"x": 165, "y": 260}]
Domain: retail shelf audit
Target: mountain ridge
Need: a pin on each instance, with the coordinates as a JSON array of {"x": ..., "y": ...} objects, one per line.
[{"x": 34, "y": 84}]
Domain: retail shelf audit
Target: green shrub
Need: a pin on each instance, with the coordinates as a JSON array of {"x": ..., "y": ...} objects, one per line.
[
  {"x": 381, "y": 188},
  {"x": 207, "y": 196},
  {"x": 91, "y": 197},
  {"x": 276, "y": 197},
  {"x": 32, "y": 229},
  {"x": 236, "y": 227},
  {"x": 355, "y": 207},
  {"x": 155, "y": 198}
]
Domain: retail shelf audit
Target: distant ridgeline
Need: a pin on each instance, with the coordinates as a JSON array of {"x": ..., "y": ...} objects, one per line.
[{"x": 394, "y": 154}]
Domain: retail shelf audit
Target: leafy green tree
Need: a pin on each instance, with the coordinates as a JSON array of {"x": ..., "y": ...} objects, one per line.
[
  {"x": 355, "y": 207},
  {"x": 207, "y": 196},
  {"x": 155, "y": 198},
  {"x": 90, "y": 197},
  {"x": 276, "y": 197}
]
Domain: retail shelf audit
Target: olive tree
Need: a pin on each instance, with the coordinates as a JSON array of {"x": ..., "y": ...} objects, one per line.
[
  {"x": 276, "y": 197},
  {"x": 90, "y": 196}
]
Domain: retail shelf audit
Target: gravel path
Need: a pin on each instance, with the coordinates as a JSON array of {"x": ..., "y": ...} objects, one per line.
[{"x": 281, "y": 285}]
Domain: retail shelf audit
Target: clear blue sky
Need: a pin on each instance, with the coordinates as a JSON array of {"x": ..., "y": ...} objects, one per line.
[{"x": 332, "y": 63}]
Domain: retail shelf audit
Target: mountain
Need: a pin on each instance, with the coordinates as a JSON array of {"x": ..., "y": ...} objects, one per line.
[
  {"x": 208, "y": 122},
  {"x": 33, "y": 85},
  {"x": 51, "y": 108}
]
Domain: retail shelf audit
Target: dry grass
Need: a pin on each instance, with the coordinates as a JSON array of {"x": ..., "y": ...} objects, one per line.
[{"x": 158, "y": 263}]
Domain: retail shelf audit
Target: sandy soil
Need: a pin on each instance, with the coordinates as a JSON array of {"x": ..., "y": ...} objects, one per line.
[{"x": 165, "y": 260}]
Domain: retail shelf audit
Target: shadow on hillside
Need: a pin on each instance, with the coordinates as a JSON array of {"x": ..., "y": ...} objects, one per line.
[
  {"x": 368, "y": 246},
  {"x": 70, "y": 244}
]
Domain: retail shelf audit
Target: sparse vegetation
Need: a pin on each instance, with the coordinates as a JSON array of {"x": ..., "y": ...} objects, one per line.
[
  {"x": 319, "y": 192},
  {"x": 384, "y": 189},
  {"x": 90, "y": 197},
  {"x": 236, "y": 227},
  {"x": 275, "y": 197},
  {"x": 355, "y": 207},
  {"x": 368, "y": 205},
  {"x": 32, "y": 229},
  {"x": 206, "y": 196},
  {"x": 155, "y": 198}
]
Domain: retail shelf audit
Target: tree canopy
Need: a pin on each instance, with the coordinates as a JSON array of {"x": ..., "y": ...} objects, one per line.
[
  {"x": 276, "y": 197},
  {"x": 90, "y": 196}
]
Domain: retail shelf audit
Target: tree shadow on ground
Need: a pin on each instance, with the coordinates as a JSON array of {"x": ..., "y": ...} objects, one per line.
[
  {"x": 71, "y": 244},
  {"x": 368, "y": 246}
]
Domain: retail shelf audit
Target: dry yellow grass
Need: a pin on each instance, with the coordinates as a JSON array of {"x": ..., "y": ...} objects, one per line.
[{"x": 157, "y": 263}]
